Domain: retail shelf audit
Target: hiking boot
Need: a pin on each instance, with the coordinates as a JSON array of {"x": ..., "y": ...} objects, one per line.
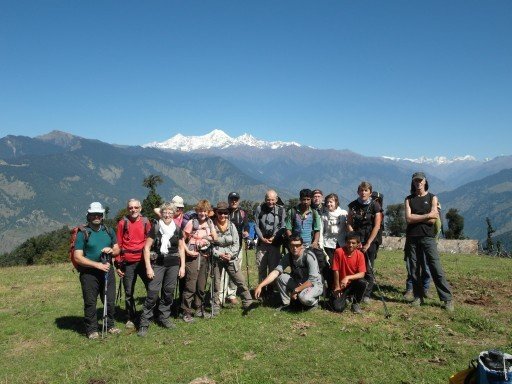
[
  {"x": 416, "y": 302},
  {"x": 426, "y": 294},
  {"x": 215, "y": 311},
  {"x": 366, "y": 300},
  {"x": 199, "y": 313},
  {"x": 448, "y": 306},
  {"x": 114, "y": 331},
  {"x": 408, "y": 296},
  {"x": 143, "y": 331},
  {"x": 188, "y": 318},
  {"x": 129, "y": 325},
  {"x": 166, "y": 323},
  {"x": 356, "y": 309},
  {"x": 250, "y": 307},
  {"x": 93, "y": 335}
]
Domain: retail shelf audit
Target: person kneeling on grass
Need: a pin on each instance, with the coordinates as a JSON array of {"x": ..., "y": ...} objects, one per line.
[
  {"x": 303, "y": 286},
  {"x": 165, "y": 242},
  {"x": 348, "y": 268}
]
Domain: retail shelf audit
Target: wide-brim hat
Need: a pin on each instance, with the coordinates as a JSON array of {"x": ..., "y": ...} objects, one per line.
[
  {"x": 221, "y": 206},
  {"x": 96, "y": 208}
]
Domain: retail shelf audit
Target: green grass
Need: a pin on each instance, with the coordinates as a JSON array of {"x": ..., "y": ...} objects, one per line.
[{"x": 41, "y": 339}]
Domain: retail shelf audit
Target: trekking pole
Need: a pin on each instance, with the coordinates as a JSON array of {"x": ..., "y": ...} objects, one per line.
[
  {"x": 387, "y": 315},
  {"x": 247, "y": 267},
  {"x": 104, "y": 326},
  {"x": 119, "y": 293},
  {"x": 212, "y": 287}
]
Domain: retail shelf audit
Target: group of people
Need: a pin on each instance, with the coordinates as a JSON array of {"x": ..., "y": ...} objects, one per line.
[{"x": 312, "y": 250}]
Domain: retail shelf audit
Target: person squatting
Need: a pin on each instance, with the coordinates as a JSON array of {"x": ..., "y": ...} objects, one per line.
[{"x": 314, "y": 254}]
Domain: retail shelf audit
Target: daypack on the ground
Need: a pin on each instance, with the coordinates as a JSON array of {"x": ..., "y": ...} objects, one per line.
[{"x": 494, "y": 367}]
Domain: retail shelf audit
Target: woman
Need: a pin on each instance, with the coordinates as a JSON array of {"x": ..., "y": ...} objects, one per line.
[
  {"x": 334, "y": 225},
  {"x": 225, "y": 255},
  {"x": 164, "y": 256},
  {"x": 199, "y": 233}
]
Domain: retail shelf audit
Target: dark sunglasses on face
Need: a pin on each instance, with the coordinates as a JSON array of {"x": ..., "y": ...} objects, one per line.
[{"x": 223, "y": 213}]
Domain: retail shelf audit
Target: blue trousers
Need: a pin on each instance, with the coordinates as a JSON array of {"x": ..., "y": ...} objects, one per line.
[{"x": 422, "y": 250}]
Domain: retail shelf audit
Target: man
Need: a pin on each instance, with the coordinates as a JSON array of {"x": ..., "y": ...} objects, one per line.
[
  {"x": 318, "y": 201},
  {"x": 304, "y": 221},
  {"x": 178, "y": 215},
  {"x": 349, "y": 268},
  {"x": 94, "y": 249},
  {"x": 132, "y": 231},
  {"x": 303, "y": 286},
  {"x": 238, "y": 217},
  {"x": 364, "y": 218},
  {"x": 270, "y": 227},
  {"x": 421, "y": 214}
]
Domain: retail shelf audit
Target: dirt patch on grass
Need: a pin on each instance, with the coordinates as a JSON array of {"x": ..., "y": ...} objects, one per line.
[
  {"x": 480, "y": 292},
  {"x": 25, "y": 347}
]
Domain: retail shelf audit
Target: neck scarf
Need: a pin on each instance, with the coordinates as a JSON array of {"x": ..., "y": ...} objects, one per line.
[{"x": 167, "y": 231}]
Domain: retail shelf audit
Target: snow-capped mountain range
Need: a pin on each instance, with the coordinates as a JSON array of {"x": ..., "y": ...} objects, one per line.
[
  {"x": 216, "y": 139},
  {"x": 219, "y": 139}
]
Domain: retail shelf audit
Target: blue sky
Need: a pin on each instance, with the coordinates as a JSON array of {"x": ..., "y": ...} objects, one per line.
[{"x": 398, "y": 78}]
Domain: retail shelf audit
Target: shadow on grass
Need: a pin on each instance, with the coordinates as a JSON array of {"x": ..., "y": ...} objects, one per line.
[
  {"x": 72, "y": 323},
  {"x": 389, "y": 293},
  {"x": 76, "y": 323}
]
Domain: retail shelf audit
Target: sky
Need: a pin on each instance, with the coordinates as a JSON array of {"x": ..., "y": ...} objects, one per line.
[{"x": 382, "y": 78}]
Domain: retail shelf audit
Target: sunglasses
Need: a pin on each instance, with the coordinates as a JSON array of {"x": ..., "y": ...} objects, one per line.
[{"x": 223, "y": 213}]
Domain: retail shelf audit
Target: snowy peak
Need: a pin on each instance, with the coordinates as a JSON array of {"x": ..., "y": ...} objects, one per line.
[
  {"x": 215, "y": 139},
  {"x": 438, "y": 160}
]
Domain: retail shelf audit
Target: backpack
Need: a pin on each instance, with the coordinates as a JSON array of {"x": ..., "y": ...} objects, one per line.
[
  {"x": 125, "y": 225},
  {"x": 279, "y": 238},
  {"x": 238, "y": 218},
  {"x": 296, "y": 216},
  {"x": 362, "y": 217},
  {"x": 86, "y": 231}
]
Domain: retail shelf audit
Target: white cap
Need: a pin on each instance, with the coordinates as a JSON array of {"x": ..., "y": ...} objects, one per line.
[
  {"x": 178, "y": 201},
  {"x": 96, "y": 208}
]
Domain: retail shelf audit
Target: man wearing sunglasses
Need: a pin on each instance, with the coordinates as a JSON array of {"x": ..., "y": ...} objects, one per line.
[
  {"x": 132, "y": 231},
  {"x": 94, "y": 249}
]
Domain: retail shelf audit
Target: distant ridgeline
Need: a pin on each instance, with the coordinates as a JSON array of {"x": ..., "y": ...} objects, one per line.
[{"x": 48, "y": 181}]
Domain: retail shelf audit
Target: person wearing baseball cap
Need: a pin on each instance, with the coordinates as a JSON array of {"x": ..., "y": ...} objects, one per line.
[
  {"x": 420, "y": 243},
  {"x": 238, "y": 217},
  {"x": 178, "y": 215}
]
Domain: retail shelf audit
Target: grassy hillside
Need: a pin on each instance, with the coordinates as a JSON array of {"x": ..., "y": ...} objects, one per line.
[{"x": 42, "y": 337}]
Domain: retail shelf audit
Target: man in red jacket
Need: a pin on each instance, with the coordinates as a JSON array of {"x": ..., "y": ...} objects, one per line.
[{"x": 132, "y": 231}]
